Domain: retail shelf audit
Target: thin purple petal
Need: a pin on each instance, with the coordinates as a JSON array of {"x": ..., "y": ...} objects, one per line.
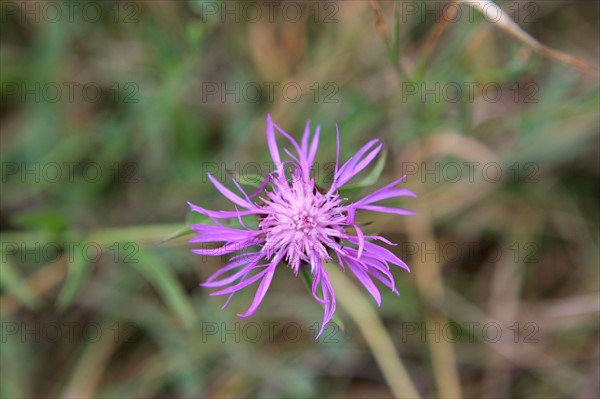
[
  {"x": 261, "y": 291},
  {"x": 314, "y": 146},
  {"x": 272, "y": 143},
  {"x": 385, "y": 209}
]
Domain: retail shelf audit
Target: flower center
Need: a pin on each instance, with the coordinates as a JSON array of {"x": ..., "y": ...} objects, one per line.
[{"x": 304, "y": 222}]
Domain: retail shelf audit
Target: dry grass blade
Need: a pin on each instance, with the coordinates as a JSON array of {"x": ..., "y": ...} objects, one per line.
[
  {"x": 504, "y": 304},
  {"x": 526, "y": 355},
  {"x": 40, "y": 282},
  {"x": 432, "y": 290},
  {"x": 375, "y": 334},
  {"x": 505, "y": 23},
  {"x": 438, "y": 30},
  {"x": 91, "y": 365},
  {"x": 379, "y": 21}
]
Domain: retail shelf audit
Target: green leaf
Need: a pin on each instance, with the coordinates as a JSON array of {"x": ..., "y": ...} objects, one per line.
[
  {"x": 306, "y": 277},
  {"x": 78, "y": 269},
  {"x": 12, "y": 282},
  {"x": 253, "y": 180},
  {"x": 163, "y": 279},
  {"x": 184, "y": 231},
  {"x": 195, "y": 218},
  {"x": 48, "y": 221},
  {"x": 370, "y": 179}
]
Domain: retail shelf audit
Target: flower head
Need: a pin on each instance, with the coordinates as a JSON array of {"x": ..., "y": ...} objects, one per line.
[
  {"x": 301, "y": 222},
  {"x": 301, "y": 225}
]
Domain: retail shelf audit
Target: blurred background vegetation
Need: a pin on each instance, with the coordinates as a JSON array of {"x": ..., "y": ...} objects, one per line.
[{"x": 112, "y": 112}]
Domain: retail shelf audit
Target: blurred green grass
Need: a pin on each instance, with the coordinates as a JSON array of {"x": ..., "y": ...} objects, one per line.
[{"x": 155, "y": 131}]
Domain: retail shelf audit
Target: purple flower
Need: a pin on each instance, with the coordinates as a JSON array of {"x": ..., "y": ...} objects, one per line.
[{"x": 299, "y": 224}]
